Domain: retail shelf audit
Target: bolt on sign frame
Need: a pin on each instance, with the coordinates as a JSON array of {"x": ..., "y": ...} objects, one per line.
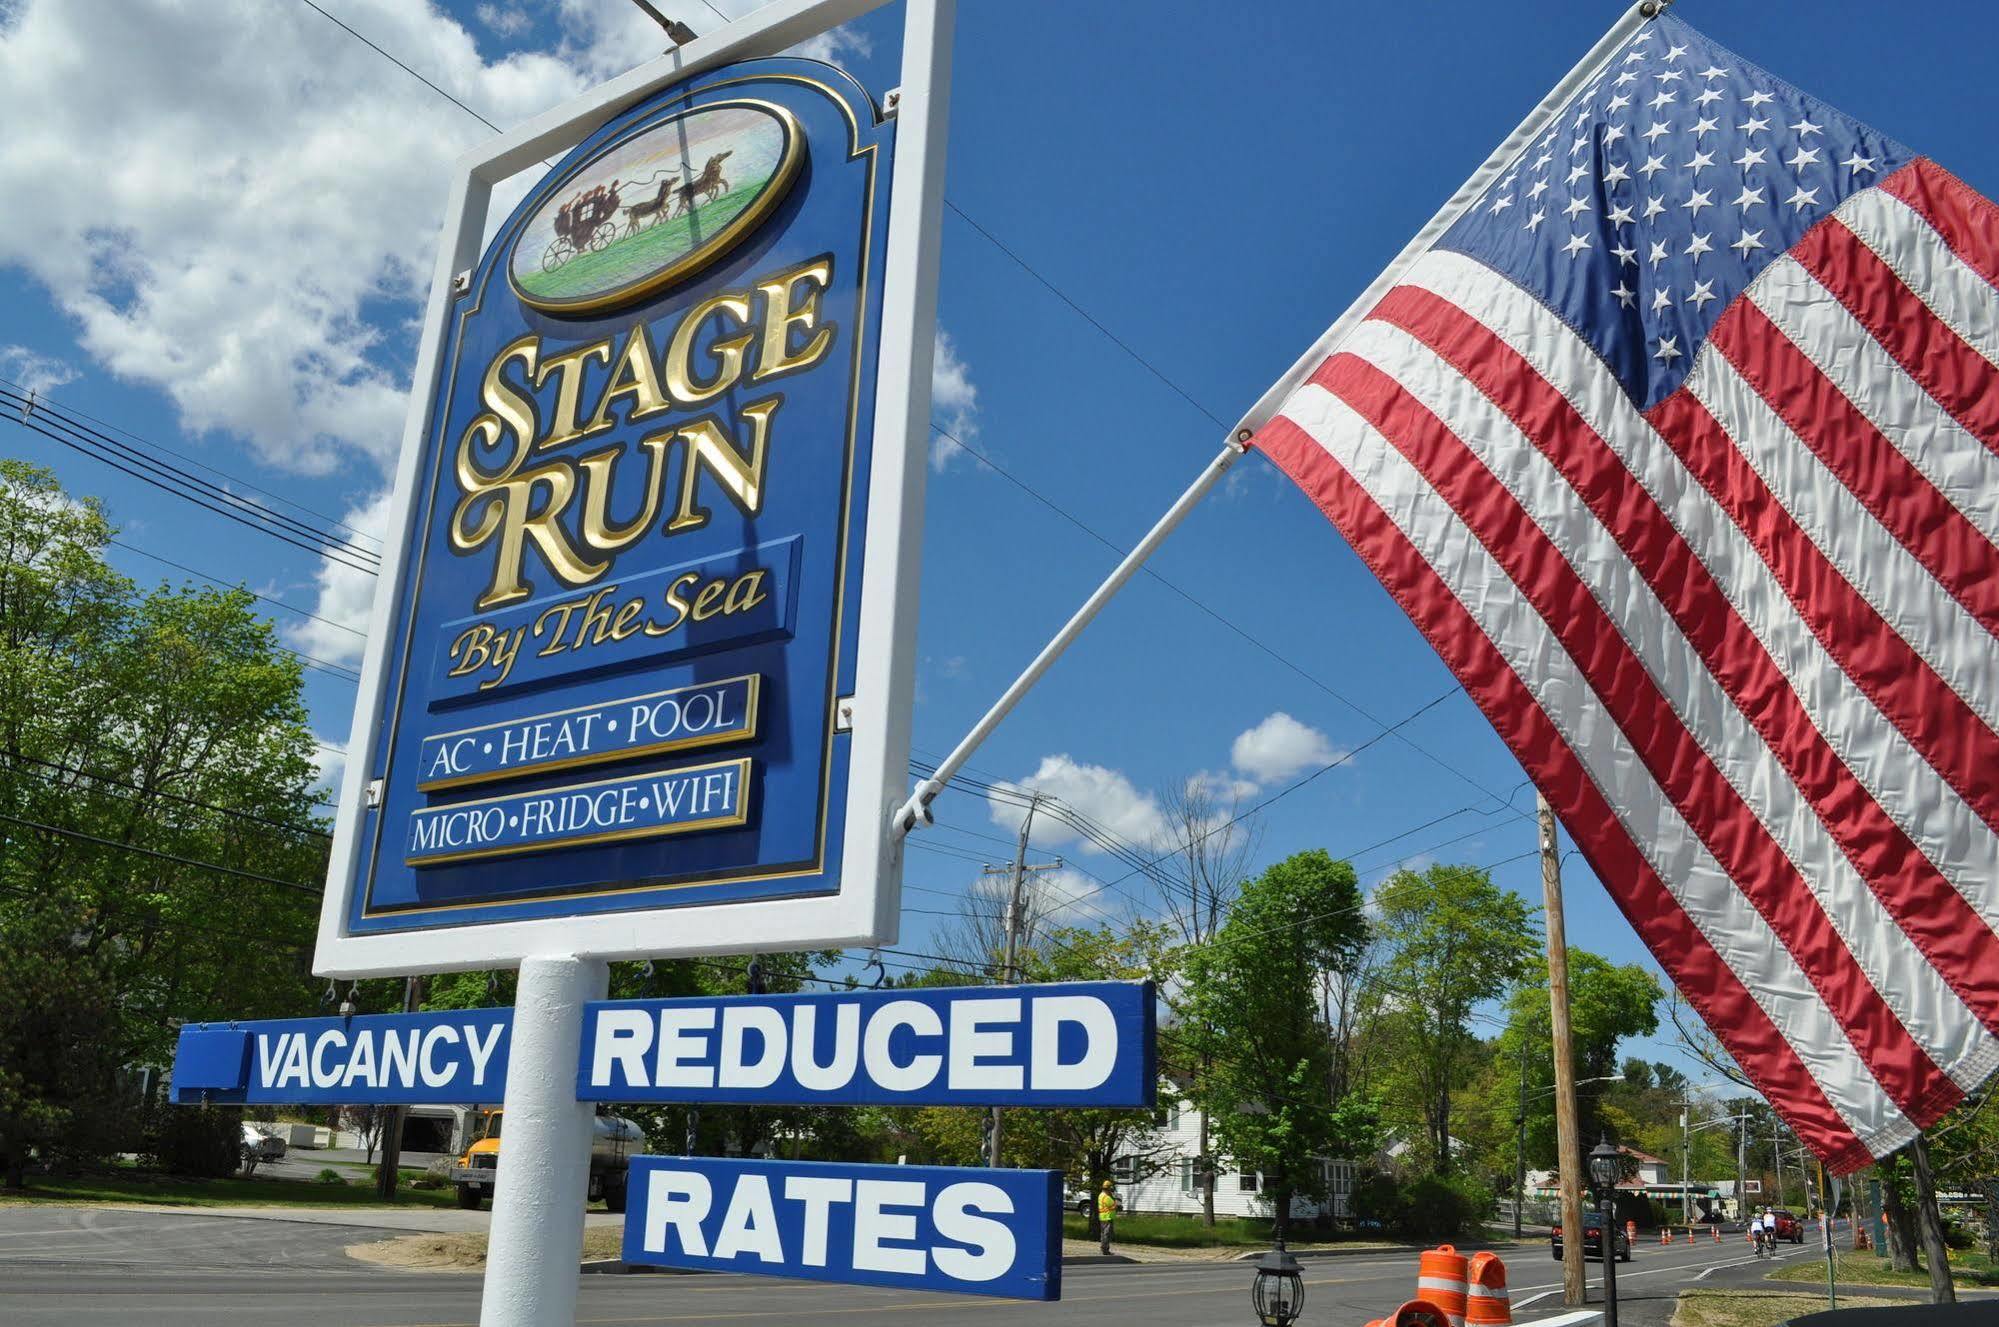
[{"x": 446, "y": 856}]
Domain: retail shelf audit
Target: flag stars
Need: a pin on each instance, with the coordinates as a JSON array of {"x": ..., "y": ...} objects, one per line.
[
  {"x": 1575, "y": 246},
  {"x": 1662, "y": 299},
  {"x": 1668, "y": 351},
  {"x": 1626, "y": 296},
  {"x": 1713, "y": 72},
  {"x": 1626, "y": 77},
  {"x": 1542, "y": 160},
  {"x": 1857, "y": 163},
  {"x": 1625, "y": 254},
  {"x": 1803, "y": 199},
  {"x": 1670, "y": 76},
  {"x": 1749, "y": 198},
  {"x": 1535, "y": 190},
  {"x": 1707, "y": 98},
  {"x": 1654, "y": 206},
  {"x": 1618, "y": 172},
  {"x": 1704, "y": 126},
  {"x": 1575, "y": 207},
  {"x": 1653, "y": 165},
  {"x": 1755, "y": 124},
  {"x": 1621, "y": 215},
  {"x": 1751, "y": 156},
  {"x": 1613, "y": 134},
  {"x": 1804, "y": 128},
  {"x": 1659, "y": 253},
  {"x": 1748, "y": 242},
  {"x": 1616, "y": 104},
  {"x": 1697, "y": 246},
  {"x": 1534, "y": 222},
  {"x": 1500, "y": 204},
  {"x": 1664, "y": 98},
  {"x": 1804, "y": 156},
  {"x": 1580, "y": 146},
  {"x": 1673, "y": 54},
  {"x": 1755, "y": 99},
  {"x": 1700, "y": 162},
  {"x": 1577, "y": 172},
  {"x": 1659, "y": 129},
  {"x": 1701, "y": 198},
  {"x": 1702, "y": 296}
]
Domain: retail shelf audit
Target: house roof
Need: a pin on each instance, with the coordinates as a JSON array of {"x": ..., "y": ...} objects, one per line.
[{"x": 1645, "y": 1157}]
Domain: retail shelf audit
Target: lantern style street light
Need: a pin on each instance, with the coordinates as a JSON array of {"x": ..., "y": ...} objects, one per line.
[
  {"x": 1605, "y": 1168},
  {"x": 1279, "y": 1290}
]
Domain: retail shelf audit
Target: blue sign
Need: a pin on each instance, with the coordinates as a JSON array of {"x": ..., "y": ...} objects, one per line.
[
  {"x": 949, "y": 1228},
  {"x": 634, "y": 530},
  {"x": 1068, "y": 1044},
  {"x": 458, "y": 1056}
]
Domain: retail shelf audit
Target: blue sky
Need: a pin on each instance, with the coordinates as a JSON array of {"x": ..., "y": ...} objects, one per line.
[{"x": 214, "y": 228}]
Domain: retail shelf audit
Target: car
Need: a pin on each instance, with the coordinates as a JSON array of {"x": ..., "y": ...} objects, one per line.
[
  {"x": 1593, "y": 1241},
  {"x": 1079, "y": 1199},
  {"x": 1789, "y": 1227},
  {"x": 268, "y": 1144}
]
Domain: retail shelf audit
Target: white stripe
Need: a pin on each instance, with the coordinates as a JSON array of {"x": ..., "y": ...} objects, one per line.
[
  {"x": 1949, "y": 1033},
  {"x": 1739, "y": 935},
  {"x": 1961, "y": 467},
  {"x": 1950, "y": 832},
  {"x": 1878, "y": 565},
  {"x": 1902, "y": 237}
]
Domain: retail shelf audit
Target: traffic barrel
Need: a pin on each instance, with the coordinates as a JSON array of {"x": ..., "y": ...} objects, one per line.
[
  {"x": 1440, "y": 1279},
  {"x": 1631, "y": 1232},
  {"x": 1421, "y": 1313},
  {"x": 1486, "y": 1300},
  {"x": 1665, "y": 1234}
]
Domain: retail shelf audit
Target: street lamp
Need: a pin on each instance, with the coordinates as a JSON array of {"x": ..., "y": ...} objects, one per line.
[
  {"x": 1605, "y": 1168},
  {"x": 1279, "y": 1291}
]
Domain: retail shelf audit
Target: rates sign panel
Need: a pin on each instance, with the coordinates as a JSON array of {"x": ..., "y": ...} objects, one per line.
[{"x": 631, "y": 681}]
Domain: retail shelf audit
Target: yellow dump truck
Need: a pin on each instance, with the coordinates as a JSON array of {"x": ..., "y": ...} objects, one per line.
[{"x": 614, "y": 1140}]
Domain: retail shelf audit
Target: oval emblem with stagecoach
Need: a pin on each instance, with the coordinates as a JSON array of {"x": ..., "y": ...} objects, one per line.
[{"x": 655, "y": 207}]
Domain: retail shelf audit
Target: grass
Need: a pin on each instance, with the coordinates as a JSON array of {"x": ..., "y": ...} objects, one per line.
[
  {"x": 1968, "y": 1269},
  {"x": 1753, "y": 1308},
  {"x": 1177, "y": 1232},
  {"x": 137, "y": 1186},
  {"x": 630, "y": 257}
]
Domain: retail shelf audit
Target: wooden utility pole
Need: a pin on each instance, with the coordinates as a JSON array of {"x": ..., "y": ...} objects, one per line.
[
  {"x": 1015, "y": 921},
  {"x": 390, "y": 1171},
  {"x": 1567, "y": 1140}
]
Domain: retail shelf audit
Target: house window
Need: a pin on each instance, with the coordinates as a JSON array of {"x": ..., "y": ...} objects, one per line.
[
  {"x": 1124, "y": 1171},
  {"x": 1162, "y": 1116},
  {"x": 1246, "y": 1181},
  {"x": 1186, "y": 1174}
]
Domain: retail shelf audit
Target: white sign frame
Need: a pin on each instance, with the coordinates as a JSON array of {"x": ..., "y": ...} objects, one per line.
[{"x": 867, "y": 907}]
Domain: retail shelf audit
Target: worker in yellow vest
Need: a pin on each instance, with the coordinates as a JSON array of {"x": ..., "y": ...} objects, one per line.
[{"x": 1106, "y": 1216}]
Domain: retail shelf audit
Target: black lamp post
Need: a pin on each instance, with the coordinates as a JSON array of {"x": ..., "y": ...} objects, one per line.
[
  {"x": 1279, "y": 1291},
  {"x": 1605, "y": 1168}
]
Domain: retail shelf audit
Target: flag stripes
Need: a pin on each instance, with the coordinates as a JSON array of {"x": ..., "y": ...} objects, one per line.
[{"x": 1748, "y": 635}]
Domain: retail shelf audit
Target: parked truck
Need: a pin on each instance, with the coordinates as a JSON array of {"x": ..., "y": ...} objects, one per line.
[{"x": 614, "y": 1140}]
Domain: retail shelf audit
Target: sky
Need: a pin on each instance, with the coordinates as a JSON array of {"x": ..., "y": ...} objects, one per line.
[{"x": 217, "y": 223}]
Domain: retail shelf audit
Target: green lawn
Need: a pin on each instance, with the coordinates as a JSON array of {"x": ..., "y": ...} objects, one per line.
[
  {"x": 1178, "y": 1232},
  {"x": 1753, "y": 1308},
  {"x": 630, "y": 257},
  {"x": 138, "y": 1186},
  {"x": 1968, "y": 1269}
]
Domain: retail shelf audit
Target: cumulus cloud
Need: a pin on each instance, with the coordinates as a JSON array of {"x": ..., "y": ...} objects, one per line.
[
  {"x": 345, "y": 596},
  {"x": 33, "y": 371},
  {"x": 954, "y": 400},
  {"x": 504, "y": 22},
  {"x": 1102, "y": 795},
  {"x": 332, "y": 762},
  {"x": 1280, "y": 747},
  {"x": 1222, "y": 785}
]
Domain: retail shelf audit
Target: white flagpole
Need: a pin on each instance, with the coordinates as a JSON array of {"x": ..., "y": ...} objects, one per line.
[
  {"x": 917, "y": 808},
  {"x": 1531, "y": 128}
]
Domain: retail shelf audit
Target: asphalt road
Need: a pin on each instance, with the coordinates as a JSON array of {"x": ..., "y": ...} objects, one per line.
[{"x": 81, "y": 1267}]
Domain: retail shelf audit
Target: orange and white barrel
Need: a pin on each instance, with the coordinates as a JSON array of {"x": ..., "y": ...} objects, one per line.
[
  {"x": 1421, "y": 1313},
  {"x": 1440, "y": 1279},
  {"x": 1486, "y": 1301}
]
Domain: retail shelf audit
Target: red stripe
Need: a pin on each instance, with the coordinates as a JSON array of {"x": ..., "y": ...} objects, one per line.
[
  {"x": 1946, "y": 738},
  {"x": 1696, "y": 969},
  {"x": 1965, "y": 218},
  {"x": 1960, "y": 379},
  {"x": 1628, "y": 692},
  {"x": 1947, "y": 930},
  {"x": 1899, "y": 495}
]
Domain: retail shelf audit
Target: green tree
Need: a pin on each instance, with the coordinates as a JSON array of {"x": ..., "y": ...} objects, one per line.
[
  {"x": 1453, "y": 940},
  {"x": 1251, "y": 1009}
]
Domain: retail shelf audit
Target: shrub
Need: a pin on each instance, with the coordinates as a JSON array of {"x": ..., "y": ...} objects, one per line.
[
  {"x": 328, "y": 1175},
  {"x": 1426, "y": 1207},
  {"x": 202, "y": 1141}
]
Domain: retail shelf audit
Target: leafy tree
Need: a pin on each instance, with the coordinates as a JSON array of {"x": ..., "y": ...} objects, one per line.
[
  {"x": 1453, "y": 940},
  {"x": 1251, "y": 1009}
]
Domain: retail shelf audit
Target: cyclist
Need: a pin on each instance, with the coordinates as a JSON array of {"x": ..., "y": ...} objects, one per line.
[{"x": 1763, "y": 1232}]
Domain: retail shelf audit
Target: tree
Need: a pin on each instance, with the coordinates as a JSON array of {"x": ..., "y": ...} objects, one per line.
[
  {"x": 1251, "y": 1011},
  {"x": 1608, "y": 1004},
  {"x": 1453, "y": 940}
]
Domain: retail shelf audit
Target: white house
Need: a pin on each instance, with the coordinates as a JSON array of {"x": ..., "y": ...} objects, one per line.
[{"x": 1177, "y": 1189}]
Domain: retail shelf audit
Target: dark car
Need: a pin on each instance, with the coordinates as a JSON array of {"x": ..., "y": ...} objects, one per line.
[
  {"x": 1789, "y": 1227},
  {"x": 1592, "y": 1240}
]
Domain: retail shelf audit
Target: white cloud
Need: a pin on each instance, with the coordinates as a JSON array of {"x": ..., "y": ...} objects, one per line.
[
  {"x": 345, "y": 596},
  {"x": 1101, "y": 795},
  {"x": 332, "y": 762},
  {"x": 1280, "y": 747},
  {"x": 505, "y": 22},
  {"x": 1222, "y": 785},
  {"x": 34, "y": 371},
  {"x": 954, "y": 398}
]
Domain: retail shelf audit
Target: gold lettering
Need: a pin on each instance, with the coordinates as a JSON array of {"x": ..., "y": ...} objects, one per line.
[
  {"x": 745, "y": 592},
  {"x": 728, "y": 353},
  {"x": 741, "y": 476},
  {"x": 598, "y": 532},
  {"x": 504, "y": 406},
  {"x": 635, "y": 377},
  {"x": 704, "y": 602},
  {"x": 483, "y": 647},
  {"x": 784, "y": 309},
  {"x": 624, "y": 625},
  {"x": 565, "y": 608},
  {"x": 676, "y": 603},
  {"x": 520, "y": 523},
  {"x": 568, "y": 370}
]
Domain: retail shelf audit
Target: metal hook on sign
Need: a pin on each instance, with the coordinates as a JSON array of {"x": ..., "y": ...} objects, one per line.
[
  {"x": 492, "y": 986},
  {"x": 347, "y": 1006},
  {"x": 331, "y": 993},
  {"x": 754, "y": 979},
  {"x": 880, "y": 969},
  {"x": 645, "y": 978}
]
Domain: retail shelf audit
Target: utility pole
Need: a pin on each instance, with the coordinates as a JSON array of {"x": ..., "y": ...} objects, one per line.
[
  {"x": 1568, "y": 1138},
  {"x": 392, "y": 1128},
  {"x": 1777, "y": 1158},
  {"x": 1520, "y": 1143},
  {"x": 1016, "y": 920},
  {"x": 1686, "y": 1166},
  {"x": 1742, "y": 1166}
]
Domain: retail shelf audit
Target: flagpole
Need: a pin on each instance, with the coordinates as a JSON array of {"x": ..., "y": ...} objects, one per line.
[
  {"x": 918, "y": 805},
  {"x": 1531, "y": 128}
]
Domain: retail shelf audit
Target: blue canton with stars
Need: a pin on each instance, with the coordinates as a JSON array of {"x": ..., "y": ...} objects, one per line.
[{"x": 1660, "y": 192}]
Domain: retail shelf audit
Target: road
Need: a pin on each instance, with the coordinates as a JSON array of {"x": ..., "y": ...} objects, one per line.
[{"x": 86, "y": 1267}]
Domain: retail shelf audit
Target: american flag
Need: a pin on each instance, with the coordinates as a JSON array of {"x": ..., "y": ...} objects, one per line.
[{"x": 1681, "y": 446}]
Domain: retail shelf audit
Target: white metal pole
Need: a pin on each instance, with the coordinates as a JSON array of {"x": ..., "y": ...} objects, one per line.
[
  {"x": 536, "y": 1248},
  {"x": 917, "y": 807}
]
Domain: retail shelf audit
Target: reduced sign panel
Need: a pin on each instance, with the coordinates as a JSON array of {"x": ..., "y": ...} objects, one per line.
[
  {"x": 948, "y": 1228},
  {"x": 1062, "y": 1044},
  {"x": 621, "y": 670}
]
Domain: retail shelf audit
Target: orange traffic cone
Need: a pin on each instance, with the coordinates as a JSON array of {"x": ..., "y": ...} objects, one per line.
[
  {"x": 1716, "y": 1232},
  {"x": 1422, "y": 1313},
  {"x": 1665, "y": 1234},
  {"x": 1440, "y": 1280},
  {"x": 1486, "y": 1301},
  {"x": 1630, "y": 1232}
]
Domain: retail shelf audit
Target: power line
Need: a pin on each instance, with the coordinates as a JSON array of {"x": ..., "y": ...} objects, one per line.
[
  {"x": 163, "y": 856},
  {"x": 239, "y": 585},
  {"x": 400, "y": 65},
  {"x": 44, "y": 403},
  {"x": 115, "y": 781}
]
